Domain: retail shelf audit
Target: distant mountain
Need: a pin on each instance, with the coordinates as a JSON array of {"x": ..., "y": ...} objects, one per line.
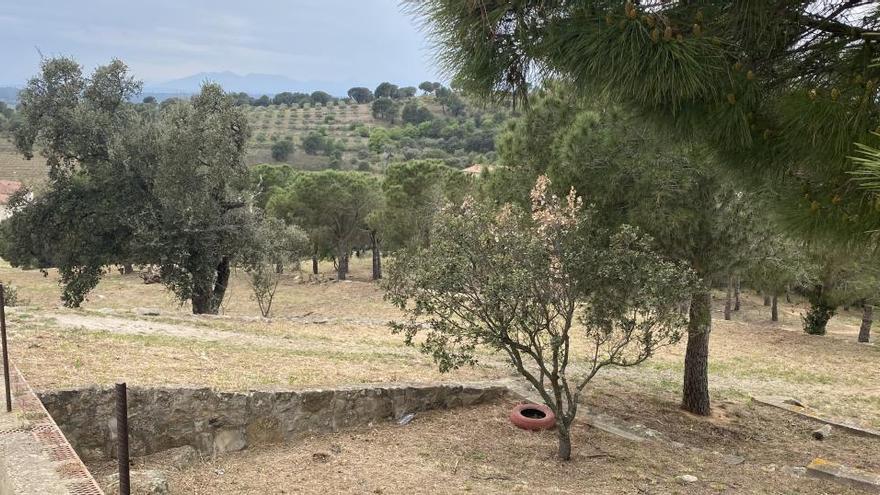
[
  {"x": 253, "y": 84},
  {"x": 9, "y": 95}
]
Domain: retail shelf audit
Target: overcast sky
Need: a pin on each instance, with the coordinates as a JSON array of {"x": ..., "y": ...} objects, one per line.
[{"x": 324, "y": 40}]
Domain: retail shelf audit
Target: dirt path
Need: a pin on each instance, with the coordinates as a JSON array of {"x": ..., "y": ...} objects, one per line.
[{"x": 129, "y": 326}]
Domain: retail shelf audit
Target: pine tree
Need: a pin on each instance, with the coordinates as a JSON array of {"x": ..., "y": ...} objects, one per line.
[
  {"x": 786, "y": 93},
  {"x": 630, "y": 175}
]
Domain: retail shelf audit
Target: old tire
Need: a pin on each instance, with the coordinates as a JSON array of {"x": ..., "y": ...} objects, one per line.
[{"x": 533, "y": 417}]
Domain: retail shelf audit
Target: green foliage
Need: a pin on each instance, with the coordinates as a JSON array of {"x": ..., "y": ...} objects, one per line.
[
  {"x": 360, "y": 95},
  {"x": 282, "y": 149},
  {"x": 331, "y": 206},
  {"x": 386, "y": 109},
  {"x": 266, "y": 179},
  {"x": 276, "y": 246},
  {"x": 131, "y": 184},
  {"x": 11, "y": 296},
  {"x": 413, "y": 113},
  {"x": 414, "y": 192},
  {"x": 632, "y": 175},
  {"x": 778, "y": 265},
  {"x": 836, "y": 276},
  {"x": 516, "y": 283},
  {"x": 429, "y": 87},
  {"x": 321, "y": 97},
  {"x": 315, "y": 143},
  {"x": 782, "y": 93},
  {"x": 817, "y": 316},
  {"x": 379, "y": 141},
  {"x": 387, "y": 90}
]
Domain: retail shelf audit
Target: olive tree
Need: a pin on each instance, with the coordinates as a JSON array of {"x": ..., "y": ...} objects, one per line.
[
  {"x": 559, "y": 298},
  {"x": 162, "y": 185}
]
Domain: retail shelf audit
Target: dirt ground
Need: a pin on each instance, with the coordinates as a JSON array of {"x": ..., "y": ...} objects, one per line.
[
  {"x": 744, "y": 449},
  {"x": 335, "y": 333}
]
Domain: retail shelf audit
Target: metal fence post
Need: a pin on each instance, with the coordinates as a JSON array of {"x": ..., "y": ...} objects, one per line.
[
  {"x": 5, "y": 349},
  {"x": 122, "y": 439}
]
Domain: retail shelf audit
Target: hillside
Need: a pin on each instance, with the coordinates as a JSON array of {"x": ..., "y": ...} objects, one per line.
[
  {"x": 339, "y": 122},
  {"x": 460, "y": 141},
  {"x": 14, "y": 167}
]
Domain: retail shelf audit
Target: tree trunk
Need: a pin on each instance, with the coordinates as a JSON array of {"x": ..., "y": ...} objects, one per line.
[
  {"x": 867, "y": 320},
  {"x": 564, "y": 435},
  {"x": 207, "y": 295},
  {"x": 816, "y": 318},
  {"x": 314, "y": 264},
  {"x": 774, "y": 308},
  {"x": 342, "y": 266},
  {"x": 127, "y": 269},
  {"x": 377, "y": 256},
  {"x": 736, "y": 295},
  {"x": 767, "y": 300},
  {"x": 695, "y": 393},
  {"x": 787, "y": 297},
  {"x": 221, "y": 283},
  {"x": 728, "y": 301}
]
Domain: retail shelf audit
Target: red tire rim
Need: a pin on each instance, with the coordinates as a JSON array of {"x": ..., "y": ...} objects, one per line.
[{"x": 533, "y": 417}]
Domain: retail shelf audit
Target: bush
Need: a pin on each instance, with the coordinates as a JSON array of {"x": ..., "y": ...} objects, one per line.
[
  {"x": 11, "y": 294},
  {"x": 817, "y": 318},
  {"x": 281, "y": 150}
]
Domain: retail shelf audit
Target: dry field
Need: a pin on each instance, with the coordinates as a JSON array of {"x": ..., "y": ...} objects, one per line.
[
  {"x": 335, "y": 333},
  {"x": 14, "y": 167}
]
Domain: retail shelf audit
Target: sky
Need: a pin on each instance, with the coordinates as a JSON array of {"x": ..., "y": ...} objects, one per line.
[{"x": 366, "y": 41}]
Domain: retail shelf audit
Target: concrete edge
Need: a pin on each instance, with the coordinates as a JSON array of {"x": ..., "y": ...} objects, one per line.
[
  {"x": 35, "y": 448},
  {"x": 823, "y": 469},
  {"x": 810, "y": 413}
]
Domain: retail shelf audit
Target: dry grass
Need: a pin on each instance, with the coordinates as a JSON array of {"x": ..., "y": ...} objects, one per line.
[
  {"x": 476, "y": 450},
  {"x": 334, "y": 333}
]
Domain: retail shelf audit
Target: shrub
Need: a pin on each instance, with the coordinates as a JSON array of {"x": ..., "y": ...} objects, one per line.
[
  {"x": 12, "y": 297},
  {"x": 281, "y": 150}
]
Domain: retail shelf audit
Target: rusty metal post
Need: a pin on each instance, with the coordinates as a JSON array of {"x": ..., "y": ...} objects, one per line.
[
  {"x": 122, "y": 439},
  {"x": 5, "y": 349}
]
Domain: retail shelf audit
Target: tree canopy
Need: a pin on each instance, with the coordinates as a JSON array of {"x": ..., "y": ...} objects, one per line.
[
  {"x": 516, "y": 281},
  {"x": 131, "y": 184},
  {"x": 332, "y": 207},
  {"x": 785, "y": 93}
]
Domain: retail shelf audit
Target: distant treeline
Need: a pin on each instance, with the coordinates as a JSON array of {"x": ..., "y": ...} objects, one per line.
[{"x": 357, "y": 94}]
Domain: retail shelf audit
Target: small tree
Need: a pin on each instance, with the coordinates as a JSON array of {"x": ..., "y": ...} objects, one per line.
[
  {"x": 276, "y": 246},
  {"x": 386, "y": 109},
  {"x": 836, "y": 276},
  {"x": 413, "y": 113},
  {"x": 536, "y": 287},
  {"x": 281, "y": 150}
]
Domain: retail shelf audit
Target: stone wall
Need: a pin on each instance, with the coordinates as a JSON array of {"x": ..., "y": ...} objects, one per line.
[{"x": 216, "y": 422}]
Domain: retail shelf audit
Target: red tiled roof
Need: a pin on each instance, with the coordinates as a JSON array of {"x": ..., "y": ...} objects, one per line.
[{"x": 7, "y": 187}]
